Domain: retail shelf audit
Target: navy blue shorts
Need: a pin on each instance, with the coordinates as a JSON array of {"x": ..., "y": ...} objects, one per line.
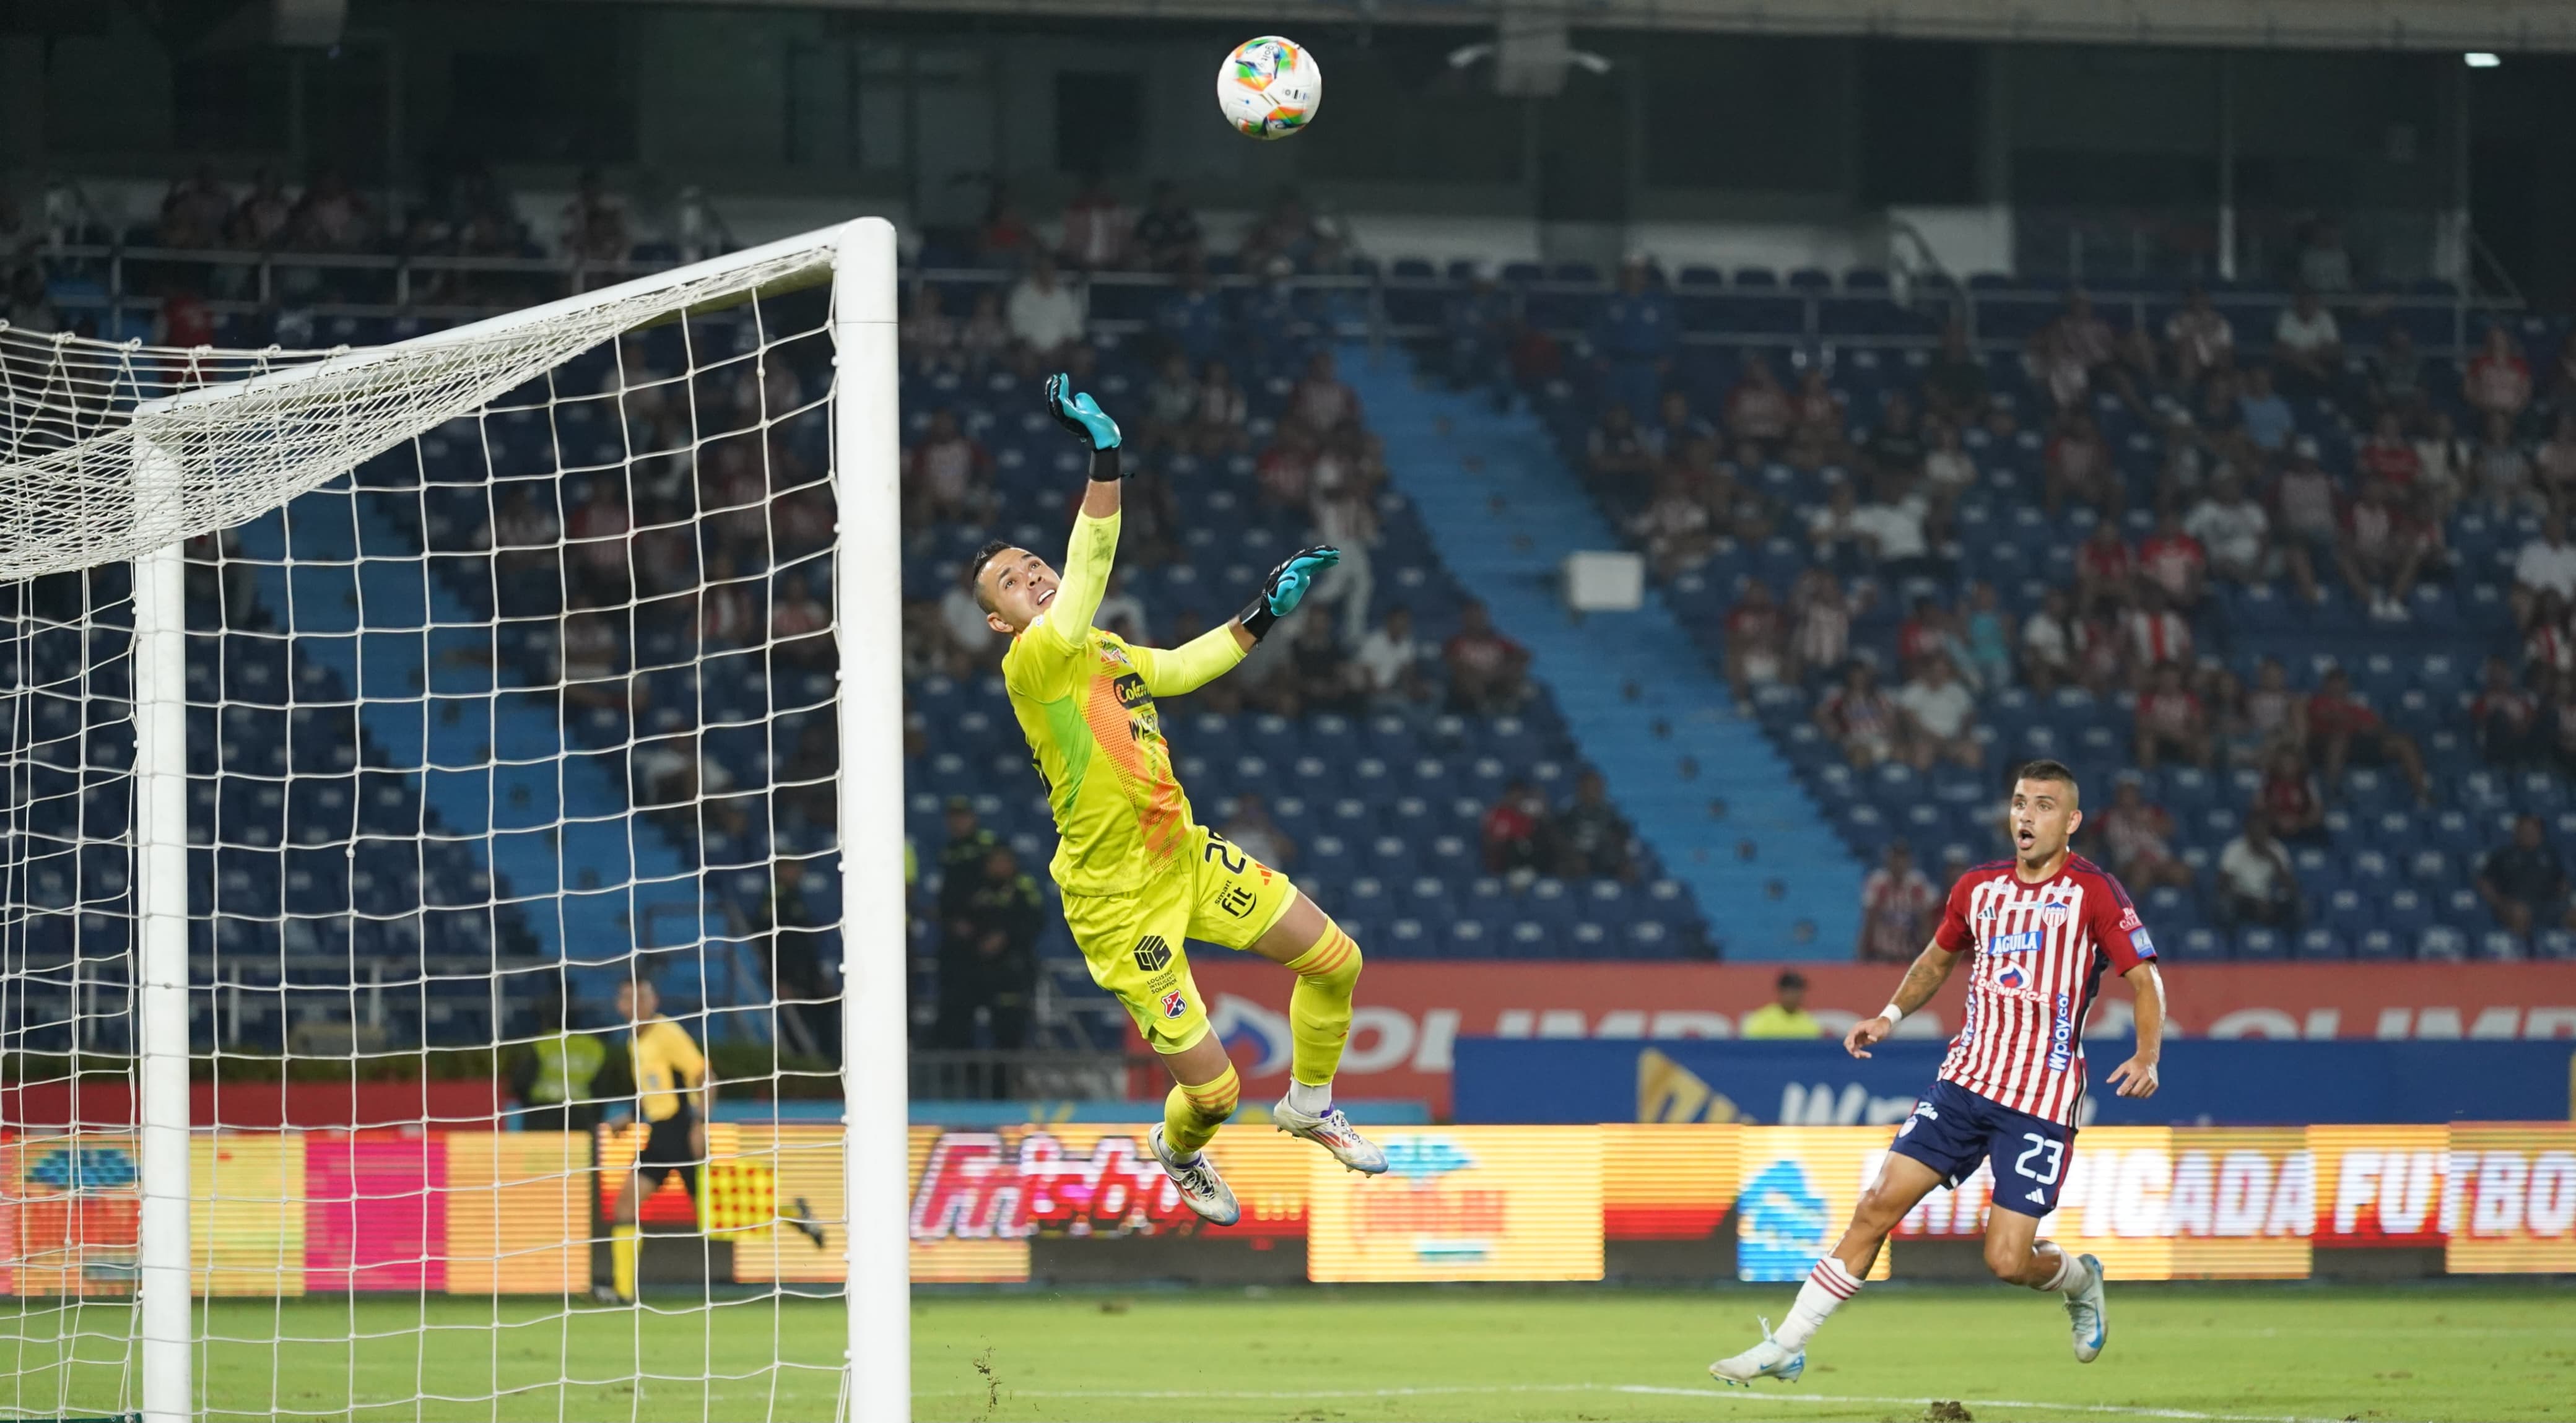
[{"x": 1953, "y": 1129}]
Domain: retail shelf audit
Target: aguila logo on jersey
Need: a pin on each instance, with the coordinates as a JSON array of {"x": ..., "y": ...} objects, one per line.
[
  {"x": 2024, "y": 942},
  {"x": 1152, "y": 953}
]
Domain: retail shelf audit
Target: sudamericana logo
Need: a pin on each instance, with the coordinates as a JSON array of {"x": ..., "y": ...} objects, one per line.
[
  {"x": 1781, "y": 1224},
  {"x": 1422, "y": 1159}
]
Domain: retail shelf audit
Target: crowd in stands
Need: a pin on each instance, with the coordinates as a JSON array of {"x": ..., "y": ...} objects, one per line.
[{"x": 2173, "y": 470}]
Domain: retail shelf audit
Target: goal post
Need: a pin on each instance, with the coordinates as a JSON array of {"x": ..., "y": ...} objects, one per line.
[{"x": 334, "y": 503}]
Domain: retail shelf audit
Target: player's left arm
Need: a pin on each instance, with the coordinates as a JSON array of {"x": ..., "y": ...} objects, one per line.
[
  {"x": 2137, "y": 1076},
  {"x": 1169, "y": 672}
]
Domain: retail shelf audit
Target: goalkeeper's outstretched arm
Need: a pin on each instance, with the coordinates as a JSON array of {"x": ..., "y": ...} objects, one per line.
[{"x": 1210, "y": 655}]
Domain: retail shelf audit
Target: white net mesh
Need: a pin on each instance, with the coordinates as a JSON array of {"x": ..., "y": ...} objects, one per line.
[{"x": 510, "y": 687}]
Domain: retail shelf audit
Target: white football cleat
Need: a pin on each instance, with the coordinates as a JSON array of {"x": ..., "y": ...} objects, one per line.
[
  {"x": 2085, "y": 1307},
  {"x": 1201, "y": 1189},
  {"x": 1769, "y": 1359},
  {"x": 1333, "y": 1132}
]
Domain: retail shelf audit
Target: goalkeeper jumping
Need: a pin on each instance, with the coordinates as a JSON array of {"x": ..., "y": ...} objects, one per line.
[{"x": 1139, "y": 874}]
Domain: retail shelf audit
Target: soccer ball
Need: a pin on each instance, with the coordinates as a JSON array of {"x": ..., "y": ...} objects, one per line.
[{"x": 1269, "y": 87}]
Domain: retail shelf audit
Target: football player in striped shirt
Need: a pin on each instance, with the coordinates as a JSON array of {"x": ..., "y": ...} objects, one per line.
[{"x": 2037, "y": 930}]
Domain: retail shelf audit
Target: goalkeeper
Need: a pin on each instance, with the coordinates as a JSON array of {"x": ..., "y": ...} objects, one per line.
[{"x": 1139, "y": 873}]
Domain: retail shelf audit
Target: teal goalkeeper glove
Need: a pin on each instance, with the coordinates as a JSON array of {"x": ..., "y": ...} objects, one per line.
[
  {"x": 1082, "y": 415},
  {"x": 1286, "y": 588}
]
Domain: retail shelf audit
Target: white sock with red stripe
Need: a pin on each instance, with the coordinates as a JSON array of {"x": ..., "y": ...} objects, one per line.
[
  {"x": 1827, "y": 1287},
  {"x": 2071, "y": 1274}
]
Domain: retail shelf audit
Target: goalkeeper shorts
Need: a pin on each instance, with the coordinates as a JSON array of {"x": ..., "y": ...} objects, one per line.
[
  {"x": 1132, "y": 942},
  {"x": 667, "y": 1148}
]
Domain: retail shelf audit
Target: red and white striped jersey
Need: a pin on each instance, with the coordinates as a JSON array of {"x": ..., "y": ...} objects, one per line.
[{"x": 2040, "y": 951}]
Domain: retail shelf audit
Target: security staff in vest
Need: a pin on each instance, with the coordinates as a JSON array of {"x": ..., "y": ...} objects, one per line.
[{"x": 557, "y": 1077}]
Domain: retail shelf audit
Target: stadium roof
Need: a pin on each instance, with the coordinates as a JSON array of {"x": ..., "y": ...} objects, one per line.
[{"x": 2499, "y": 25}]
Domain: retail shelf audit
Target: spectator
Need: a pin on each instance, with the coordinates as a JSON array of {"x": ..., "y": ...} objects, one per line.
[
  {"x": 2051, "y": 644},
  {"x": 2547, "y": 562},
  {"x": 1634, "y": 335},
  {"x": 1518, "y": 839},
  {"x": 929, "y": 340},
  {"x": 1821, "y": 635},
  {"x": 1003, "y": 238},
  {"x": 1895, "y": 448},
  {"x": 1954, "y": 384},
  {"x": 2307, "y": 346},
  {"x": 333, "y": 217},
  {"x": 2384, "y": 548},
  {"x": 195, "y": 212},
  {"x": 1785, "y": 1017},
  {"x": 1899, "y": 908},
  {"x": 2230, "y": 529},
  {"x": 988, "y": 961},
  {"x": 1594, "y": 837},
  {"x": 2556, "y": 736},
  {"x": 1891, "y": 527},
  {"x": 1816, "y": 422},
  {"x": 2498, "y": 381},
  {"x": 2547, "y": 639},
  {"x": 2275, "y": 709},
  {"x": 260, "y": 222},
  {"x": 1121, "y": 611},
  {"x": 1834, "y": 529},
  {"x": 2523, "y": 882},
  {"x": 2077, "y": 465},
  {"x": 2105, "y": 569},
  {"x": 1757, "y": 641},
  {"x": 1220, "y": 425},
  {"x": 1480, "y": 324},
  {"x": 1758, "y": 412},
  {"x": 1940, "y": 714},
  {"x": 2389, "y": 455},
  {"x": 2341, "y": 728},
  {"x": 2506, "y": 716},
  {"x": 592, "y": 226},
  {"x": 2139, "y": 837},
  {"x": 1168, "y": 235},
  {"x": 1677, "y": 429},
  {"x": 2396, "y": 372},
  {"x": 1256, "y": 834},
  {"x": 2290, "y": 799},
  {"x": 2173, "y": 560},
  {"x": 1171, "y": 399},
  {"x": 1924, "y": 635},
  {"x": 2170, "y": 718},
  {"x": 971, "y": 639},
  {"x": 1321, "y": 401},
  {"x": 2307, "y": 509},
  {"x": 947, "y": 475},
  {"x": 1859, "y": 718},
  {"x": 2444, "y": 464},
  {"x": 2503, "y": 471},
  {"x": 31, "y": 306},
  {"x": 2266, "y": 417},
  {"x": 1984, "y": 640},
  {"x": 2256, "y": 883},
  {"x": 2324, "y": 265},
  {"x": 2555, "y": 462},
  {"x": 1390, "y": 661},
  {"x": 2069, "y": 350},
  {"x": 1322, "y": 678},
  {"x": 1045, "y": 316},
  {"x": 985, "y": 337},
  {"x": 962, "y": 856},
  {"x": 1946, "y": 466},
  {"x": 2200, "y": 336},
  {"x": 1488, "y": 672},
  {"x": 1097, "y": 227},
  {"x": 1615, "y": 454}
]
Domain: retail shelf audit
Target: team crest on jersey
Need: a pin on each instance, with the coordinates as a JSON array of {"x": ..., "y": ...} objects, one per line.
[
  {"x": 2052, "y": 915},
  {"x": 1175, "y": 1005}
]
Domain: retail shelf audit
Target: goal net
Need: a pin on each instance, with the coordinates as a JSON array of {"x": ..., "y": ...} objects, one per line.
[{"x": 393, "y": 735}]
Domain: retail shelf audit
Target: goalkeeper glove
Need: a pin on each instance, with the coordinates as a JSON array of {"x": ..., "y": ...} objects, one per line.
[
  {"x": 1286, "y": 588},
  {"x": 1079, "y": 413}
]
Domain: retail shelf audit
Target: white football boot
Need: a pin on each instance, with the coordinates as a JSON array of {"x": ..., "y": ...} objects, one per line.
[
  {"x": 1769, "y": 1359},
  {"x": 1333, "y": 1132},
  {"x": 2085, "y": 1308},
  {"x": 1201, "y": 1189}
]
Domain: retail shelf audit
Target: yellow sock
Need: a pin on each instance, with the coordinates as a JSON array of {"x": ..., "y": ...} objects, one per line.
[
  {"x": 1191, "y": 1114},
  {"x": 1319, "y": 1007},
  {"x": 622, "y": 1245}
]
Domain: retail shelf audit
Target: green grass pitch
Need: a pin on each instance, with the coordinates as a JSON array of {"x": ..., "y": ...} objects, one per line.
[{"x": 2437, "y": 1351}]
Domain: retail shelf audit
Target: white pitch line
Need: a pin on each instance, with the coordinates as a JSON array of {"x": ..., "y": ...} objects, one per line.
[{"x": 2184, "y": 1415}]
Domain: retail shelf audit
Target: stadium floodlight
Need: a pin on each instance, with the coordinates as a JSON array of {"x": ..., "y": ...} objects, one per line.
[
  {"x": 358, "y": 702},
  {"x": 2482, "y": 59}
]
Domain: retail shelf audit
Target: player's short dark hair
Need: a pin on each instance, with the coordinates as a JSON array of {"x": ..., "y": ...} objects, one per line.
[
  {"x": 975, "y": 571},
  {"x": 2047, "y": 770}
]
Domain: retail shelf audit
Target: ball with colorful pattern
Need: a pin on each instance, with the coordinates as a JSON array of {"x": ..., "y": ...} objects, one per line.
[{"x": 1269, "y": 87}]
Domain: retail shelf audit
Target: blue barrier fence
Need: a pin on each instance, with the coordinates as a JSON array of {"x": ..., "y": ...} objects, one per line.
[{"x": 2205, "y": 1082}]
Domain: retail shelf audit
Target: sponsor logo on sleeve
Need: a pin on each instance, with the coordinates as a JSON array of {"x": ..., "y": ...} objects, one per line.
[{"x": 2129, "y": 919}]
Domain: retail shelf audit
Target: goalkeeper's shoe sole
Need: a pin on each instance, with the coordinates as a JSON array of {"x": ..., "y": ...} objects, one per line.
[
  {"x": 602, "y": 1294},
  {"x": 801, "y": 1217},
  {"x": 2088, "y": 1312},
  {"x": 1201, "y": 1189},
  {"x": 1333, "y": 1132},
  {"x": 1769, "y": 1359}
]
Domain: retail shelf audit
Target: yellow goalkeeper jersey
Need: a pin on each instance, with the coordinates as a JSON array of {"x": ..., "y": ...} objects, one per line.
[{"x": 1085, "y": 700}]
